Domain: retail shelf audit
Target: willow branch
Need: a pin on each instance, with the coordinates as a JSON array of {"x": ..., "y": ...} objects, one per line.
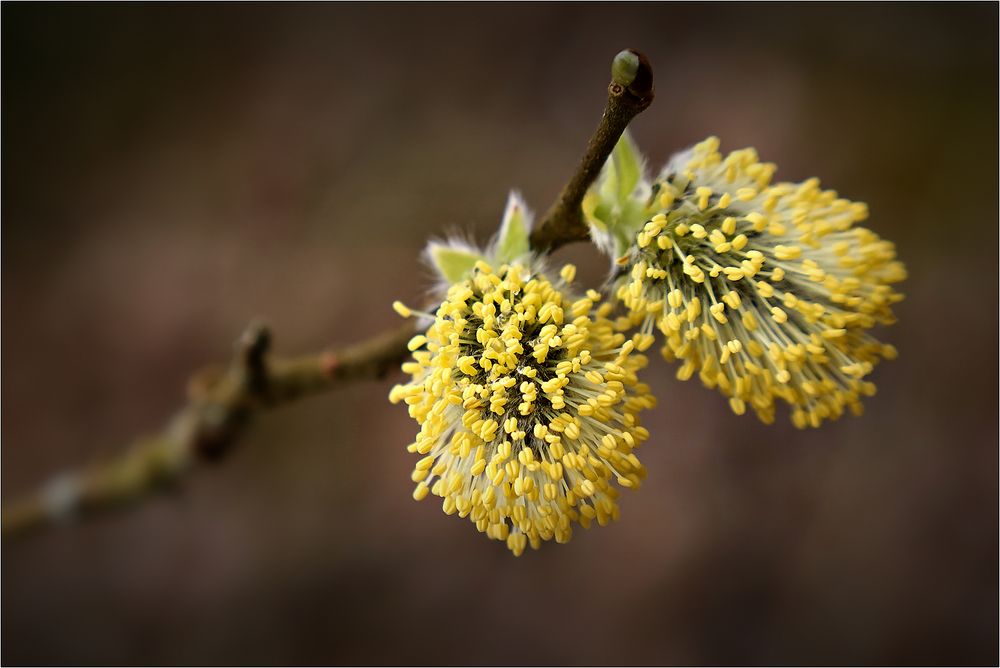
[
  {"x": 629, "y": 93},
  {"x": 222, "y": 400}
]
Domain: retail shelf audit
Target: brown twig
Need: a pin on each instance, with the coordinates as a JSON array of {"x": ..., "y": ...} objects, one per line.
[
  {"x": 221, "y": 400},
  {"x": 629, "y": 93}
]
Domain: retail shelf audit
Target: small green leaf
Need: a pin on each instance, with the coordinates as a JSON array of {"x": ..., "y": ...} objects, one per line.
[
  {"x": 512, "y": 239},
  {"x": 623, "y": 170},
  {"x": 615, "y": 206},
  {"x": 453, "y": 263},
  {"x": 594, "y": 211}
]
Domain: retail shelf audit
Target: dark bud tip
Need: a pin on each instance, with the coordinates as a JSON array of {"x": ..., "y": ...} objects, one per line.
[
  {"x": 631, "y": 70},
  {"x": 624, "y": 68},
  {"x": 253, "y": 344}
]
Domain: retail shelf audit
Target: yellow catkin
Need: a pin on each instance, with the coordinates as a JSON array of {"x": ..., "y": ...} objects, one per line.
[
  {"x": 516, "y": 400},
  {"x": 791, "y": 284}
]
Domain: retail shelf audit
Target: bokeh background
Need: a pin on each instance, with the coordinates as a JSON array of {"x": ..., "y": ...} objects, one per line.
[{"x": 172, "y": 171}]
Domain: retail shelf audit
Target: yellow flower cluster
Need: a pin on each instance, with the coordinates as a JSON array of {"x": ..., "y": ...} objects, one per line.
[
  {"x": 527, "y": 403},
  {"x": 765, "y": 290}
]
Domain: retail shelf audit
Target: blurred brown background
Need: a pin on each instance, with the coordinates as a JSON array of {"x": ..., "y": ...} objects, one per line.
[{"x": 172, "y": 171}]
